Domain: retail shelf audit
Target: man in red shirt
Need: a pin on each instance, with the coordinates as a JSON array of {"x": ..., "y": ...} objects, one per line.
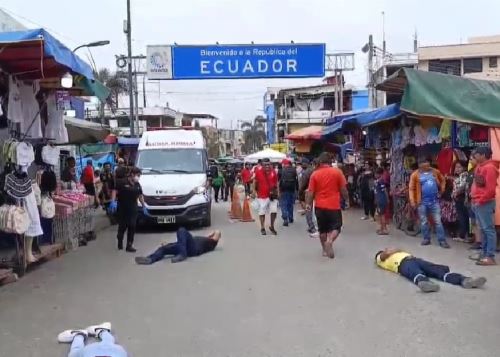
[
  {"x": 483, "y": 194},
  {"x": 265, "y": 188},
  {"x": 246, "y": 177},
  {"x": 326, "y": 185}
]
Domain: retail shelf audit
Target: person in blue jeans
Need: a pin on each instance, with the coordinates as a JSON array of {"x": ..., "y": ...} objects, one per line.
[
  {"x": 186, "y": 246},
  {"x": 483, "y": 194},
  {"x": 288, "y": 183},
  {"x": 426, "y": 184},
  {"x": 105, "y": 346}
]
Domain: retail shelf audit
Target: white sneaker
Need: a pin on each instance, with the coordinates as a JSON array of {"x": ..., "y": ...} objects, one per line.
[
  {"x": 68, "y": 335},
  {"x": 94, "y": 330},
  {"x": 364, "y": 218},
  {"x": 314, "y": 235}
]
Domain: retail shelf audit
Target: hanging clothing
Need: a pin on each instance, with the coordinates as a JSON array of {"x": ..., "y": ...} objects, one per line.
[
  {"x": 50, "y": 155},
  {"x": 55, "y": 129},
  {"x": 35, "y": 228},
  {"x": 479, "y": 133},
  {"x": 463, "y": 135},
  {"x": 420, "y": 135},
  {"x": 445, "y": 131},
  {"x": 25, "y": 154},
  {"x": 445, "y": 160},
  {"x": 15, "y": 107},
  {"x": 18, "y": 185},
  {"x": 433, "y": 136},
  {"x": 31, "y": 124}
]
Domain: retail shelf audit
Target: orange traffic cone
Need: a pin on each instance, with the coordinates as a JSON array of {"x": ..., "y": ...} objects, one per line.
[
  {"x": 247, "y": 214},
  {"x": 235, "y": 207}
]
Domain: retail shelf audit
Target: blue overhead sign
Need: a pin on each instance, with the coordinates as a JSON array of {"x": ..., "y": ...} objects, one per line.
[{"x": 236, "y": 61}]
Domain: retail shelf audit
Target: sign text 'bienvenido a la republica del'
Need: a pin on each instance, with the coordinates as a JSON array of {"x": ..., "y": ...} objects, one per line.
[{"x": 236, "y": 61}]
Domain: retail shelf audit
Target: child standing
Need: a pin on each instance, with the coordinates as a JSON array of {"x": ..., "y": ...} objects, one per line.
[{"x": 381, "y": 200}]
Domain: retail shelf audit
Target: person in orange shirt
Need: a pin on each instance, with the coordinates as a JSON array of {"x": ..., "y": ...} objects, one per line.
[{"x": 326, "y": 186}]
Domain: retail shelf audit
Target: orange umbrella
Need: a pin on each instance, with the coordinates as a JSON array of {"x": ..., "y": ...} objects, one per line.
[{"x": 312, "y": 132}]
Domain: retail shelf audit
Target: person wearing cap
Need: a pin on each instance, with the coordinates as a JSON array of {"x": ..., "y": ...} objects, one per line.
[
  {"x": 419, "y": 271},
  {"x": 287, "y": 188},
  {"x": 483, "y": 193},
  {"x": 426, "y": 185}
]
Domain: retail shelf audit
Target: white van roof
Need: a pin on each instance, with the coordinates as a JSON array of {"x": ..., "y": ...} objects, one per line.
[{"x": 172, "y": 139}]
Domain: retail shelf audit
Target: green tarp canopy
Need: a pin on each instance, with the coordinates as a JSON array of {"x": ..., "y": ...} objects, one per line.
[
  {"x": 446, "y": 96},
  {"x": 92, "y": 87}
]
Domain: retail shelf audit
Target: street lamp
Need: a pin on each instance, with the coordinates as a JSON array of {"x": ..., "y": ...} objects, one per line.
[{"x": 93, "y": 44}]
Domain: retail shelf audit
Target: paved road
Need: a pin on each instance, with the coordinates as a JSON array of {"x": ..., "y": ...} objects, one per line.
[{"x": 253, "y": 296}]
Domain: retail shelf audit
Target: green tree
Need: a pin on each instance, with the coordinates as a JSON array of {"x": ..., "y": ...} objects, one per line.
[
  {"x": 254, "y": 136},
  {"x": 116, "y": 84}
]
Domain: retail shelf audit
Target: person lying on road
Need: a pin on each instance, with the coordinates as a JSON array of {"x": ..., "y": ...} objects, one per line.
[
  {"x": 186, "y": 246},
  {"x": 419, "y": 271},
  {"x": 105, "y": 347}
]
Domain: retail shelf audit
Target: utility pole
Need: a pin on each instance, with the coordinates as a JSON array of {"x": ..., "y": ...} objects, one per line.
[
  {"x": 371, "y": 89},
  {"x": 128, "y": 29}
]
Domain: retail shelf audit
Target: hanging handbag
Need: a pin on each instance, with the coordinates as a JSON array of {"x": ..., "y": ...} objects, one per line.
[
  {"x": 48, "y": 207},
  {"x": 18, "y": 220}
]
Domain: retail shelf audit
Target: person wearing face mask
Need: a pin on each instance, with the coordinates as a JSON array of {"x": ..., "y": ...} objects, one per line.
[{"x": 124, "y": 202}]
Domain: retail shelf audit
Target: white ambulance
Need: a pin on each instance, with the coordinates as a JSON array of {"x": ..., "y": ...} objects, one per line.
[{"x": 174, "y": 179}]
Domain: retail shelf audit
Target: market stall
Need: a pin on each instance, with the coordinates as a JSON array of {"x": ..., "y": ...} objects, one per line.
[
  {"x": 38, "y": 76},
  {"x": 273, "y": 155}
]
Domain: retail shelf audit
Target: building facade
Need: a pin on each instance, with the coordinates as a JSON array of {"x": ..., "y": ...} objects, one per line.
[{"x": 478, "y": 58}]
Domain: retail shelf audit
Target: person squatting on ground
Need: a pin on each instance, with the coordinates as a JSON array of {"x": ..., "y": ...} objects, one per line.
[
  {"x": 105, "y": 347},
  {"x": 426, "y": 184},
  {"x": 265, "y": 188},
  {"x": 381, "y": 200},
  {"x": 483, "y": 193},
  {"x": 124, "y": 202},
  {"x": 287, "y": 188},
  {"x": 186, "y": 246},
  {"x": 419, "y": 271},
  {"x": 326, "y": 186}
]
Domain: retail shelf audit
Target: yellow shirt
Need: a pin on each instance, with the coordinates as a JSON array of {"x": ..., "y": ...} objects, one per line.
[{"x": 392, "y": 263}]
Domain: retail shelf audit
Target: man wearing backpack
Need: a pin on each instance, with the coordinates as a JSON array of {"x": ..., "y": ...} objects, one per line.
[{"x": 288, "y": 186}]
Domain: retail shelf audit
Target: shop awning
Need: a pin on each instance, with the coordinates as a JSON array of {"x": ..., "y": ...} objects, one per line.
[
  {"x": 312, "y": 132},
  {"x": 363, "y": 118},
  {"x": 122, "y": 140},
  {"x": 35, "y": 54},
  {"x": 84, "y": 132},
  {"x": 446, "y": 96}
]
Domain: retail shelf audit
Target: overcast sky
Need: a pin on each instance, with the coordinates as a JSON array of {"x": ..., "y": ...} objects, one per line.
[{"x": 344, "y": 25}]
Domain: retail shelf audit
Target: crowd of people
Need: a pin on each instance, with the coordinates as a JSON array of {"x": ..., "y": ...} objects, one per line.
[{"x": 458, "y": 207}]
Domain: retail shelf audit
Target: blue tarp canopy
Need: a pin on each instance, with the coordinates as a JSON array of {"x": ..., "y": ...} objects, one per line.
[
  {"x": 361, "y": 119},
  {"x": 36, "y": 54}
]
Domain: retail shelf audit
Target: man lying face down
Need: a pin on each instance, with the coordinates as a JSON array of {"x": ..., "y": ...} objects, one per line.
[{"x": 186, "y": 246}]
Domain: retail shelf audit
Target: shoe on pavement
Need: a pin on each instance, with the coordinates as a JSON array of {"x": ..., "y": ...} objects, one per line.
[
  {"x": 364, "y": 218},
  {"x": 68, "y": 335},
  {"x": 263, "y": 232},
  {"x": 95, "y": 329},
  {"x": 130, "y": 249},
  {"x": 314, "y": 235},
  {"x": 473, "y": 283},
  {"x": 143, "y": 260},
  {"x": 178, "y": 258},
  {"x": 428, "y": 286},
  {"x": 120, "y": 245},
  {"x": 444, "y": 245},
  {"x": 285, "y": 224},
  {"x": 425, "y": 242},
  {"x": 273, "y": 231}
]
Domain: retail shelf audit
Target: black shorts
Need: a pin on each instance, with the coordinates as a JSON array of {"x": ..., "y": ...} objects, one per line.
[{"x": 328, "y": 220}]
